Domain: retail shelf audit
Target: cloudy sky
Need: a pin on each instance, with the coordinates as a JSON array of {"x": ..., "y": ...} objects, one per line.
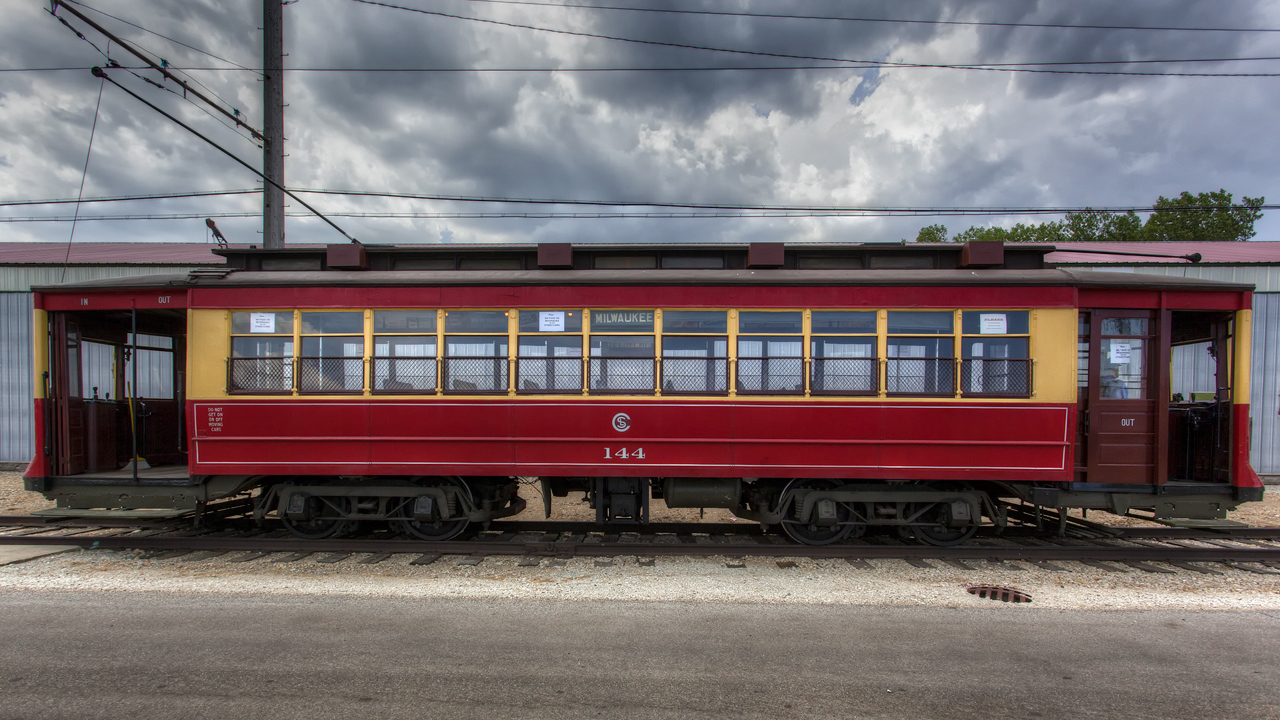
[{"x": 521, "y": 101}]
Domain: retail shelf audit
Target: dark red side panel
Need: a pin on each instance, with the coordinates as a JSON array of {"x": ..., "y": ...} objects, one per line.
[
  {"x": 39, "y": 466},
  {"x": 1242, "y": 473},
  {"x": 628, "y": 438}
]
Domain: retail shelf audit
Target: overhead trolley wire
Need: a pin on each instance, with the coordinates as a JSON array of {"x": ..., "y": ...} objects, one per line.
[
  {"x": 233, "y": 116},
  {"x": 98, "y": 72},
  {"x": 905, "y": 21},
  {"x": 761, "y": 53},
  {"x": 166, "y": 37}
]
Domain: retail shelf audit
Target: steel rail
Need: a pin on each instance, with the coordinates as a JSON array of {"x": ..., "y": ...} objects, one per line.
[
  {"x": 577, "y": 548},
  {"x": 748, "y": 529}
]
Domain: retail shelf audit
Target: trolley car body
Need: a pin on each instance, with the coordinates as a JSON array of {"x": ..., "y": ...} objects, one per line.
[{"x": 833, "y": 398}]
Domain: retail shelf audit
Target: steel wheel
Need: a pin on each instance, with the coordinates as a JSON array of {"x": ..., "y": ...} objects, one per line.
[
  {"x": 319, "y": 527},
  {"x": 939, "y": 534},
  {"x": 809, "y": 532},
  {"x": 436, "y": 528}
]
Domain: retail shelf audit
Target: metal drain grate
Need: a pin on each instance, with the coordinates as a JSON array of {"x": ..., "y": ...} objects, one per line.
[{"x": 997, "y": 592}]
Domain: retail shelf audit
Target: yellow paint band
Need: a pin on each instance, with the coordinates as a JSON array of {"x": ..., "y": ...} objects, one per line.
[
  {"x": 1240, "y": 374},
  {"x": 40, "y": 349}
]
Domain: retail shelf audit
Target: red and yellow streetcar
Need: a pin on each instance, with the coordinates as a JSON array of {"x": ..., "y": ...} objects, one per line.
[{"x": 824, "y": 389}]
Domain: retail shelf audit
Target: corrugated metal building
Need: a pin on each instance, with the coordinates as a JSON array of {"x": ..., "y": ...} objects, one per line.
[
  {"x": 1246, "y": 262},
  {"x": 24, "y": 265}
]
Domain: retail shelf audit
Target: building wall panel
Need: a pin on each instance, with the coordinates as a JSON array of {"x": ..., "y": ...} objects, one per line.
[
  {"x": 1264, "y": 451},
  {"x": 16, "y": 390}
]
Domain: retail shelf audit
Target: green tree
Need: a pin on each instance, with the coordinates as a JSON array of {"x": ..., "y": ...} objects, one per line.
[
  {"x": 932, "y": 234},
  {"x": 1095, "y": 225},
  {"x": 1207, "y": 217},
  {"x": 1050, "y": 232}
]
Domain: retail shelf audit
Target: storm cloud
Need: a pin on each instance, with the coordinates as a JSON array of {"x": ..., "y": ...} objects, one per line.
[{"x": 576, "y": 104}]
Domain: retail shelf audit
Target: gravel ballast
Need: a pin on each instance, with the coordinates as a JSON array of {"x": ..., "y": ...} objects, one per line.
[
  {"x": 702, "y": 579},
  {"x": 761, "y": 580}
]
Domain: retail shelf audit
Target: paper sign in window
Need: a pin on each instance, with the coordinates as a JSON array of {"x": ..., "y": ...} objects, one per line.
[
  {"x": 551, "y": 322},
  {"x": 994, "y": 324},
  {"x": 1120, "y": 353},
  {"x": 262, "y": 322}
]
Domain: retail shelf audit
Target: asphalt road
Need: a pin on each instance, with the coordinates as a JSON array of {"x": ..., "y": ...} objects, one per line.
[{"x": 146, "y": 655}]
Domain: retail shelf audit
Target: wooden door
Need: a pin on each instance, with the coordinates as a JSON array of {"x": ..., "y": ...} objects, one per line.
[
  {"x": 1122, "y": 406},
  {"x": 68, "y": 400}
]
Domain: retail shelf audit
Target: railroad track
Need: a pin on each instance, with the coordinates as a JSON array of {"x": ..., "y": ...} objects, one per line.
[{"x": 1116, "y": 549}]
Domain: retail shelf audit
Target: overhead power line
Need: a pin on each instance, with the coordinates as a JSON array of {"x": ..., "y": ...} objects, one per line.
[
  {"x": 851, "y": 65},
  {"x": 904, "y": 21},
  {"x": 98, "y": 72},
  {"x": 790, "y": 56},
  {"x": 129, "y": 198},
  {"x": 1004, "y": 210},
  {"x": 647, "y": 215},
  {"x": 745, "y": 207}
]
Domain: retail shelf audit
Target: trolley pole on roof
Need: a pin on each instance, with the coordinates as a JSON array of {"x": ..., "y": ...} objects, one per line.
[{"x": 273, "y": 124}]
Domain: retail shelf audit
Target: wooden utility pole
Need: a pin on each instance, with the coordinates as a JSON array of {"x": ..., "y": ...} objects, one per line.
[{"x": 273, "y": 123}]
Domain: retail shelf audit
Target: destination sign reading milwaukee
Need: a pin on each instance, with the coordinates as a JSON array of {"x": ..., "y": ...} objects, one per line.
[{"x": 621, "y": 321}]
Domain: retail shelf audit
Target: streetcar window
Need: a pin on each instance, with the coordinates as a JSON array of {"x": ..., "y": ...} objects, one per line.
[
  {"x": 916, "y": 322},
  {"x": 475, "y": 321},
  {"x": 550, "y": 321},
  {"x": 1123, "y": 358},
  {"x": 99, "y": 369},
  {"x": 549, "y": 363},
  {"x": 475, "y": 363},
  {"x": 404, "y": 321},
  {"x": 548, "y": 358},
  {"x": 1124, "y": 326},
  {"x": 622, "y": 363},
  {"x": 331, "y": 363},
  {"x": 264, "y": 323},
  {"x": 261, "y": 352},
  {"x": 773, "y": 363},
  {"x": 695, "y": 321},
  {"x": 920, "y": 365},
  {"x": 994, "y": 353},
  {"x": 844, "y": 322},
  {"x": 842, "y": 350},
  {"x": 775, "y": 323},
  {"x": 843, "y": 365},
  {"x": 155, "y": 366},
  {"x": 405, "y": 361},
  {"x": 695, "y": 363},
  {"x": 322, "y": 323},
  {"x": 996, "y": 322}
]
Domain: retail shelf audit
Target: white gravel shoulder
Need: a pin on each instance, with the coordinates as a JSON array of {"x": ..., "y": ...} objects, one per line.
[{"x": 891, "y": 582}]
